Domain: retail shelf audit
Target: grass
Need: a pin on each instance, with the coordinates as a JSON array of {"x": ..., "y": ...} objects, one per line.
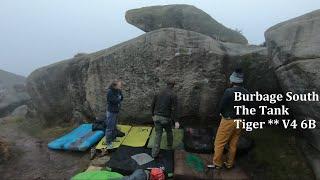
[{"x": 276, "y": 156}]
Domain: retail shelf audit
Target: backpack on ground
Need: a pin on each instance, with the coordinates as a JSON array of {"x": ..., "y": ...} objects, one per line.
[
  {"x": 99, "y": 124},
  {"x": 157, "y": 174}
]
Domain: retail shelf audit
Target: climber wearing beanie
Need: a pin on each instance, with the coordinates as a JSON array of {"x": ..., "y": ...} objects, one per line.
[{"x": 227, "y": 132}]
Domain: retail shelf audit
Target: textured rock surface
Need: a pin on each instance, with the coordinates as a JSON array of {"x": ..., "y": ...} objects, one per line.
[
  {"x": 197, "y": 62},
  {"x": 12, "y": 92},
  {"x": 184, "y": 17},
  {"x": 294, "y": 47},
  {"x": 4, "y": 151},
  {"x": 20, "y": 111}
]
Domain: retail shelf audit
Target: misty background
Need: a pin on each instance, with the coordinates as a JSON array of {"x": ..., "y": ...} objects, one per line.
[{"x": 36, "y": 33}]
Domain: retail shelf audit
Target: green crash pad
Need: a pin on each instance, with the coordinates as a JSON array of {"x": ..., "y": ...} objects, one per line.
[
  {"x": 97, "y": 175},
  {"x": 177, "y": 139},
  {"x": 138, "y": 136}
]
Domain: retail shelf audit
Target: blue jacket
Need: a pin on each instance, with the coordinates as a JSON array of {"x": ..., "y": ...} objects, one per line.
[{"x": 114, "y": 99}]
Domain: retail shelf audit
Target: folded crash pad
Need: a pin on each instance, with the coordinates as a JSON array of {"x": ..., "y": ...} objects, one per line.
[
  {"x": 198, "y": 140},
  {"x": 122, "y": 162},
  {"x": 80, "y": 139},
  {"x": 177, "y": 139},
  {"x": 118, "y": 141},
  {"x": 97, "y": 175},
  {"x": 138, "y": 136}
]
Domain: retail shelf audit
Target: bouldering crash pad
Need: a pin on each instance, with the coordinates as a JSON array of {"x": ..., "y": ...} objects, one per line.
[
  {"x": 137, "y": 136},
  {"x": 177, "y": 139},
  {"x": 97, "y": 175},
  {"x": 80, "y": 139},
  {"x": 122, "y": 162},
  {"x": 118, "y": 141}
]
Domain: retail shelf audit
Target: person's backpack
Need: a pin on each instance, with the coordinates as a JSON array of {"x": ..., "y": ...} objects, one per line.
[
  {"x": 157, "y": 174},
  {"x": 99, "y": 124}
]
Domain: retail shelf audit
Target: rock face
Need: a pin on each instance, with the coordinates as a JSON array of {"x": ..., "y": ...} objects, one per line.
[
  {"x": 20, "y": 111},
  {"x": 4, "y": 151},
  {"x": 76, "y": 87},
  {"x": 12, "y": 92},
  {"x": 294, "y": 47},
  {"x": 183, "y": 17}
]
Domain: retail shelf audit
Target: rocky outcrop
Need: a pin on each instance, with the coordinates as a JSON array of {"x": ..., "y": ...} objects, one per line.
[
  {"x": 12, "y": 92},
  {"x": 196, "y": 61},
  {"x": 294, "y": 48},
  {"x": 20, "y": 111},
  {"x": 183, "y": 17}
]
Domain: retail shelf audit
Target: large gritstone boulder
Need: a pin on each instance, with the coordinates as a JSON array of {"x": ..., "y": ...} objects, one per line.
[
  {"x": 184, "y": 17},
  {"x": 294, "y": 48},
  {"x": 12, "y": 92},
  {"x": 197, "y": 62}
]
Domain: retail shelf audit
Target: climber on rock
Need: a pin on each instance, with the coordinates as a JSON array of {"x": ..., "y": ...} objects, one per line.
[
  {"x": 164, "y": 112},
  {"x": 228, "y": 133},
  {"x": 114, "y": 99}
]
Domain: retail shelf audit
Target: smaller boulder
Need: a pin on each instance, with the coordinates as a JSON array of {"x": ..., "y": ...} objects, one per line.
[
  {"x": 183, "y": 17},
  {"x": 20, "y": 111}
]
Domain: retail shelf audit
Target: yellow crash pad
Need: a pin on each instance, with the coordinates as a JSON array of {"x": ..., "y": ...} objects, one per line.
[
  {"x": 118, "y": 141},
  {"x": 138, "y": 136}
]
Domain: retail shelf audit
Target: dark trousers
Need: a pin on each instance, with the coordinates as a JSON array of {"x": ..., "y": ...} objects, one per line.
[{"x": 161, "y": 123}]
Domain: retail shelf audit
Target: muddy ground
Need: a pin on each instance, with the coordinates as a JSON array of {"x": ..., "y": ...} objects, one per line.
[{"x": 31, "y": 159}]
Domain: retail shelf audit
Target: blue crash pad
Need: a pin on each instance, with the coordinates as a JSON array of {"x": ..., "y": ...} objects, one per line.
[{"x": 80, "y": 139}]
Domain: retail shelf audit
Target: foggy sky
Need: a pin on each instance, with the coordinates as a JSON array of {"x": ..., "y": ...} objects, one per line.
[{"x": 34, "y": 33}]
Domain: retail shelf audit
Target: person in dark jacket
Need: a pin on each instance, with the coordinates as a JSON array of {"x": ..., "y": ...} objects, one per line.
[
  {"x": 227, "y": 132},
  {"x": 164, "y": 112},
  {"x": 114, "y": 99}
]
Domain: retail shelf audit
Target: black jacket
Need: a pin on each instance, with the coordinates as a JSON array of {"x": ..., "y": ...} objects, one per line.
[
  {"x": 227, "y": 103},
  {"x": 114, "y": 98},
  {"x": 165, "y": 104}
]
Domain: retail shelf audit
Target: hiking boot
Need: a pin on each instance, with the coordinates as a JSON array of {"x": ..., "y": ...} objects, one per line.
[
  {"x": 120, "y": 134},
  {"x": 212, "y": 166},
  {"x": 227, "y": 166}
]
